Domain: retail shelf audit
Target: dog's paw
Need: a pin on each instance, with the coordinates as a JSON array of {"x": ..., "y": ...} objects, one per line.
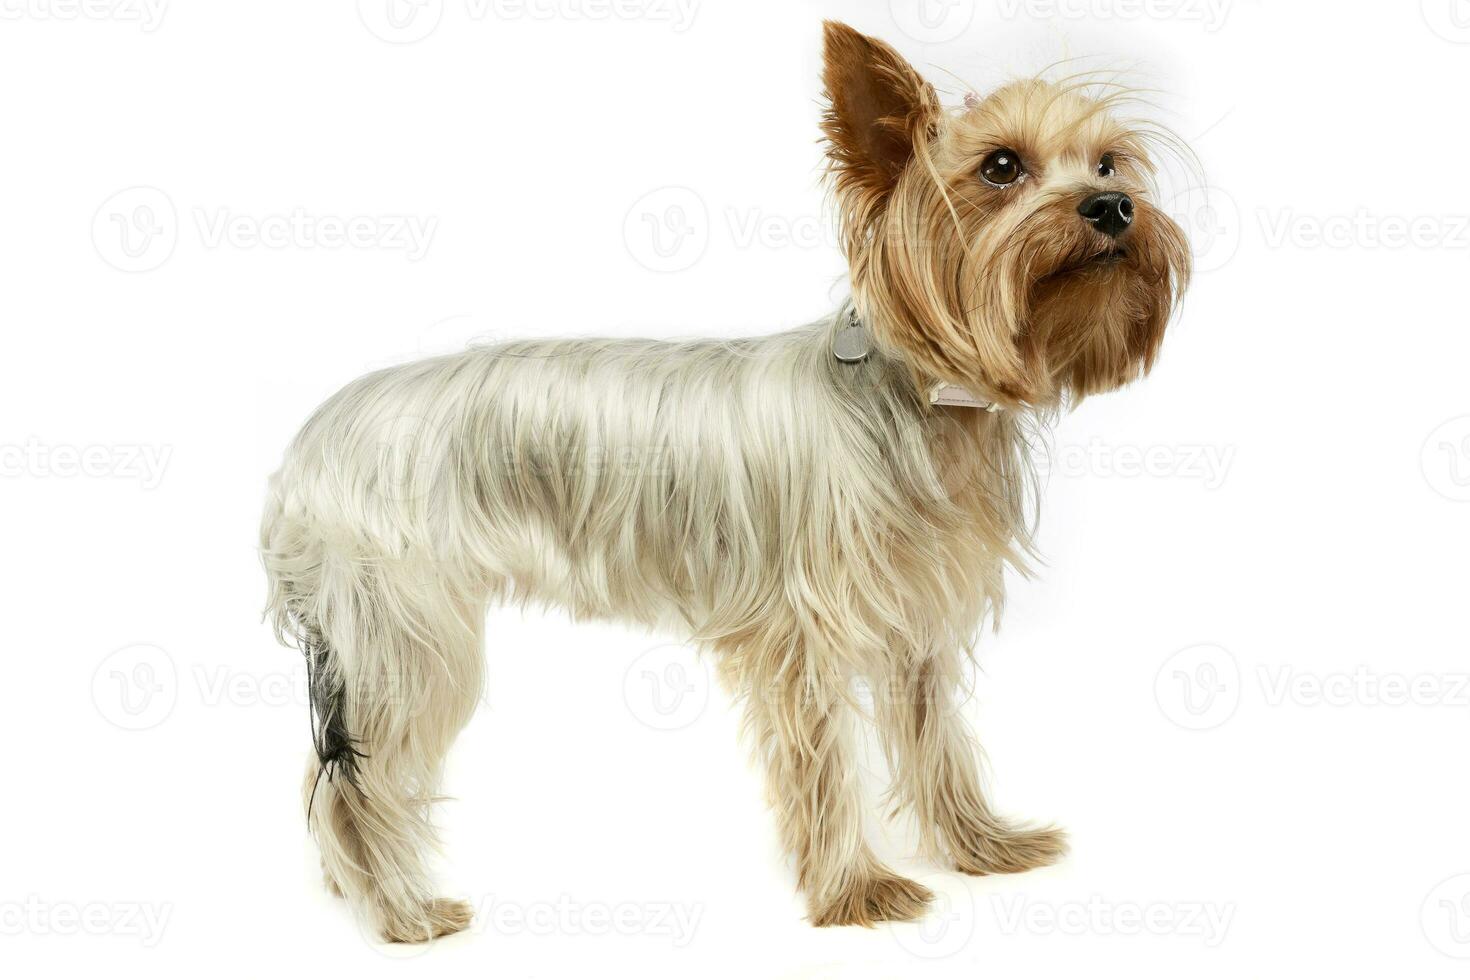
[
  {"x": 996, "y": 851},
  {"x": 440, "y": 917},
  {"x": 879, "y": 896}
]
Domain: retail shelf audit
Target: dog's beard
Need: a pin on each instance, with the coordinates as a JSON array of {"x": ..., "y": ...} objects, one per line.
[
  {"x": 1095, "y": 310},
  {"x": 1028, "y": 312}
]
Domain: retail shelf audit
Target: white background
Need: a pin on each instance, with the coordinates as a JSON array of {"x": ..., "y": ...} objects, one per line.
[{"x": 1252, "y": 556}]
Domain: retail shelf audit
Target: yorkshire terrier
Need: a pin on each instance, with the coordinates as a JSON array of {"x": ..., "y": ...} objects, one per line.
[{"x": 821, "y": 508}]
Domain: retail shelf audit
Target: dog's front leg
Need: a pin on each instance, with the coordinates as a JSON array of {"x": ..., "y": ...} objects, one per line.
[
  {"x": 802, "y": 723},
  {"x": 936, "y": 771}
]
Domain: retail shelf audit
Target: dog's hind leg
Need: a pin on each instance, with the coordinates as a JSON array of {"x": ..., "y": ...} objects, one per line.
[
  {"x": 801, "y": 719},
  {"x": 395, "y": 671},
  {"x": 936, "y": 768}
]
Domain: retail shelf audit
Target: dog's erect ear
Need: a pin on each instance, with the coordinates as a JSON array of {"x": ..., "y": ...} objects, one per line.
[{"x": 877, "y": 108}]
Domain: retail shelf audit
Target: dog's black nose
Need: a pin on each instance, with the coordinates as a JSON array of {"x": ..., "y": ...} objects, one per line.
[{"x": 1110, "y": 213}]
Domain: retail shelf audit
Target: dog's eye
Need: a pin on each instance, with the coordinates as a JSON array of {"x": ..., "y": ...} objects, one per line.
[
  {"x": 1001, "y": 168},
  {"x": 1105, "y": 166}
]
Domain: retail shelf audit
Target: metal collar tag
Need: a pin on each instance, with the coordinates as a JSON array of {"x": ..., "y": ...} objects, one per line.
[{"x": 851, "y": 345}]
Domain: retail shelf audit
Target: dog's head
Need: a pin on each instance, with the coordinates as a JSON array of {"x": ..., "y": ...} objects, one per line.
[{"x": 1010, "y": 246}]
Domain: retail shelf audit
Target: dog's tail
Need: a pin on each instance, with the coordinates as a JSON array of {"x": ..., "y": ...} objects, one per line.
[
  {"x": 337, "y": 753},
  {"x": 293, "y": 566}
]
